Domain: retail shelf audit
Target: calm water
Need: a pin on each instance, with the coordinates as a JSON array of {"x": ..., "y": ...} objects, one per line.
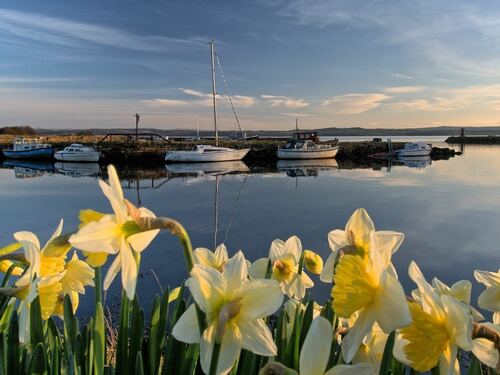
[{"x": 449, "y": 210}]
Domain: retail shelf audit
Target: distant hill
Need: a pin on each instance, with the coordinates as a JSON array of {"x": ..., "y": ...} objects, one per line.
[
  {"x": 331, "y": 131},
  {"x": 18, "y": 130}
]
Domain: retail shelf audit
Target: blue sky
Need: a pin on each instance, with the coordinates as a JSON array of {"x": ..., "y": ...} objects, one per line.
[{"x": 69, "y": 64}]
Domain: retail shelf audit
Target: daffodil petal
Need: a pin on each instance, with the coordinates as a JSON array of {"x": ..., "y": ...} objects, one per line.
[
  {"x": 293, "y": 246},
  {"x": 337, "y": 239},
  {"x": 257, "y": 338},
  {"x": 207, "y": 286},
  {"x": 462, "y": 290},
  {"x": 220, "y": 253},
  {"x": 294, "y": 288},
  {"x": 448, "y": 363},
  {"x": 277, "y": 249},
  {"x": 489, "y": 299},
  {"x": 398, "y": 350},
  {"x": 458, "y": 321},
  {"x": 235, "y": 272},
  {"x": 207, "y": 347},
  {"x": 486, "y": 352},
  {"x": 496, "y": 318},
  {"x": 389, "y": 241},
  {"x": 357, "y": 333},
  {"x": 360, "y": 225},
  {"x": 230, "y": 349},
  {"x": 253, "y": 296},
  {"x": 97, "y": 236},
  {"x": 112, "y": 272},
  {"x": 487, "y": 278},
  {"x": 327, "y": 273},
  {"x": 129, "y": 271},
  {"x": 141, "y": 241},
  {"x": 204, "y": 256},
  {"x": 114, "y": 193},
  {"x": 258, "y": 268},
  {"x": 430, "y": 301},
  {"x": 316, "y": 348},
  {"x": 186, "y": 329},
  {"x": 390, "y": 306}
]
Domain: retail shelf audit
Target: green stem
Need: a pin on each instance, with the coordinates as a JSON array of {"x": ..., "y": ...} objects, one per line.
[
  {"x": 215, "y": 359},
  {"x": 98, "y": 285}
]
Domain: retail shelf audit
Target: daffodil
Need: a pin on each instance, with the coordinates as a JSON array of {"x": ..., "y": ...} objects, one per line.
[
  {"x": 366, "y": 285},
  {"x": 441, "y": 324},
  {"x": 285, "y": 258},
  {"x": 356, "y": 238},
  {"x": 116, "y": 234},
  {"x": 313, "y": 262},
  {"x": 216, "y": 259},
  {"x": 234, "y": 309},
  {"x": 461, "y": 290},
  {"x": 489, "y": 299},
  {"x": 485, "y": 350}
]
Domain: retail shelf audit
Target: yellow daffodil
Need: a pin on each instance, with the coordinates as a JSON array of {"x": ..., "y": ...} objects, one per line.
[
  {"x": 234, "y": 308},
  {"x": 461, "y": 290},
  {"x": 313, "y": 262},
  {"x": 365, "y": 284},
  {"x": 356, "y": 238},
  {"x": 113, "y": 234},
  {"x": 441, "y": 324},
  {"x": 284, "y": 257},
  {"x": 6, "y": 264},
  {"x": 489, "y": 299},
  {"x": 216, "y": 259}
]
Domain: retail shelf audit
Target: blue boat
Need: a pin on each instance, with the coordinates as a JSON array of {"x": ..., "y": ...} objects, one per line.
[{"x": 29, "y": 149}]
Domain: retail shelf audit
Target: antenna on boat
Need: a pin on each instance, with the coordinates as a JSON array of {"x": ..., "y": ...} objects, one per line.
[
  {"x": 137, "y": 118},
  {"x": 296, "y": 124},
  {"x": 212, "y": 55},
  {"x": 197, "y": 129}
]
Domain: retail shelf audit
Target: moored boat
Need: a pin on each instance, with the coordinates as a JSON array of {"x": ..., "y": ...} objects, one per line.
[
  {"x": 208, "y": 153},
  {"x": 23, "y": 148},
  {"x": 415, "y": 149},
  {"x": 303, "y": 146},
  {"x": 79, "y": 153}
]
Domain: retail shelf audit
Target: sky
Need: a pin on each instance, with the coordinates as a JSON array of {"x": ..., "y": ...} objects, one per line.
[{"x": 343, "y": 63}]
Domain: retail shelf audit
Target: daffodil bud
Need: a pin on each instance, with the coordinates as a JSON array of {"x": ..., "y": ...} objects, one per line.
[{"x": 313, "y": 262}]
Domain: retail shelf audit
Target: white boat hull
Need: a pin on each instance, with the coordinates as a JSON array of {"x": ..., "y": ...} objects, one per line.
[
  {"x": 326, "y": 153},
  {"x": 91, "y": 156},
  {"x": 203, "y": 157}
]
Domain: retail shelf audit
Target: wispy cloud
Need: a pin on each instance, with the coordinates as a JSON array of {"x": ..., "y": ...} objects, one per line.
[
  {"x": 16, "y": 25},
  {"x": 404, "y": 89},
  {"x": 165, "y": 103},
  {"x": 285, "y": 101},
  {"x": 354, "y": 103},
  {"x": 403, "y": 76}
]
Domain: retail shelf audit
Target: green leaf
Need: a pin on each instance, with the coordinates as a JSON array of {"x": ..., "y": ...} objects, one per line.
[
  {"x": 6, "y": 315},
  {"x": 139, "y": 369},
  {"x": 122, "y": 341},
  {"x": 474, "y": 366},
  {"x": 306, "y": 323},
  {"x": 99, "y": 340},
  {"x": 136, "y": 332},
  {"x": 36, "y": 327},
  {"x": 13, "y": 356},
  {"x": 386, "y": 364},
  {"x": 38, "y": 360},
  {"x": 154, "y": 343}
]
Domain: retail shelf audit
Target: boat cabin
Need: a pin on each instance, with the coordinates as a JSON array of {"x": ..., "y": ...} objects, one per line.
[
  {"x": 77, "y": 147},
  {"x": 22, "y": 144},
  {"x": 299, "y": 145},
  {"x": 311, "y": 135}
]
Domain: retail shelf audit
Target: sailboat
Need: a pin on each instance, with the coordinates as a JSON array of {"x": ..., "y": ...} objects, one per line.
[{"x": 208, "y": 153}]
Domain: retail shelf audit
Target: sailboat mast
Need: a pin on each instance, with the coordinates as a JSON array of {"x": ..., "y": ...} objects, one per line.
[{"x": 212, "y": 54}]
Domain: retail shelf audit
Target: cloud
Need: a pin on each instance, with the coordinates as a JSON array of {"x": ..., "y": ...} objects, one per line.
[
  {"x": 354, "y": 103},
  {"x": 285, "y": 101},
  {"x": 404, "y": 89},
  {"x": 16, "y": 25},
  {"x": 295, "y": 114},
  {"x": 192, "y": 92},
  {"x": 165, "y": 103},
  {"x": 399, "y": 75}
]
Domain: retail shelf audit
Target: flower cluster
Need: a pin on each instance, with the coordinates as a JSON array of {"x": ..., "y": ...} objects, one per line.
[{"x": 257, "y": 317}]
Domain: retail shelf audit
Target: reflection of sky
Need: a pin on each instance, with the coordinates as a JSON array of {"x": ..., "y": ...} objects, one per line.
[{"x": 449, "y": 211}]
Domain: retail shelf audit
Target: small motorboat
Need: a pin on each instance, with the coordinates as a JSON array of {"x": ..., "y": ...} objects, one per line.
[
  {"x": 206, "y": 153},
  {"x": 415, "y": 149},
  {"x": 24, "y": 148},
  {"x": 79, "y": 153},
  {"x": 306, "y": 150}
]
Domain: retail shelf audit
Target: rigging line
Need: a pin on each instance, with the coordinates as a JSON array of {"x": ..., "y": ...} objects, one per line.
[
  {"x": 227, "y": 92},
  {"x": 235, "y": 207}
]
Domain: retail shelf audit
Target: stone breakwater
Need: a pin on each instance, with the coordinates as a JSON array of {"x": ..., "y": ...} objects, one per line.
[{"x": 120, "y": 151}]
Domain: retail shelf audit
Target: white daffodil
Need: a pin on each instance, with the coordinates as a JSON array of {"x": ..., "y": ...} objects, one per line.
[
  {"x": 365, "y": 284},
  {"x": 112, "y": 234},
  {"x": 441, "y": 324},
  {"x": 285, "y": 258},
  {"x": 489, "y": 299},
  {"x": 316, "y": 352},
  {"x": 216, "y": 259},
  {"x": 235, "y": 308},
  {"x": 356, "y": 238}
]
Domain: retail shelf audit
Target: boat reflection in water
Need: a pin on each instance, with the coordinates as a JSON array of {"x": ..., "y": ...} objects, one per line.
[
  {"x": 306, "y": 168},
  {"x": 28, "y": 169},
  {"x": 415, "y": 161},
  {"x": 74, "y": 169},
  {"x": 206, "y": 169}
]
